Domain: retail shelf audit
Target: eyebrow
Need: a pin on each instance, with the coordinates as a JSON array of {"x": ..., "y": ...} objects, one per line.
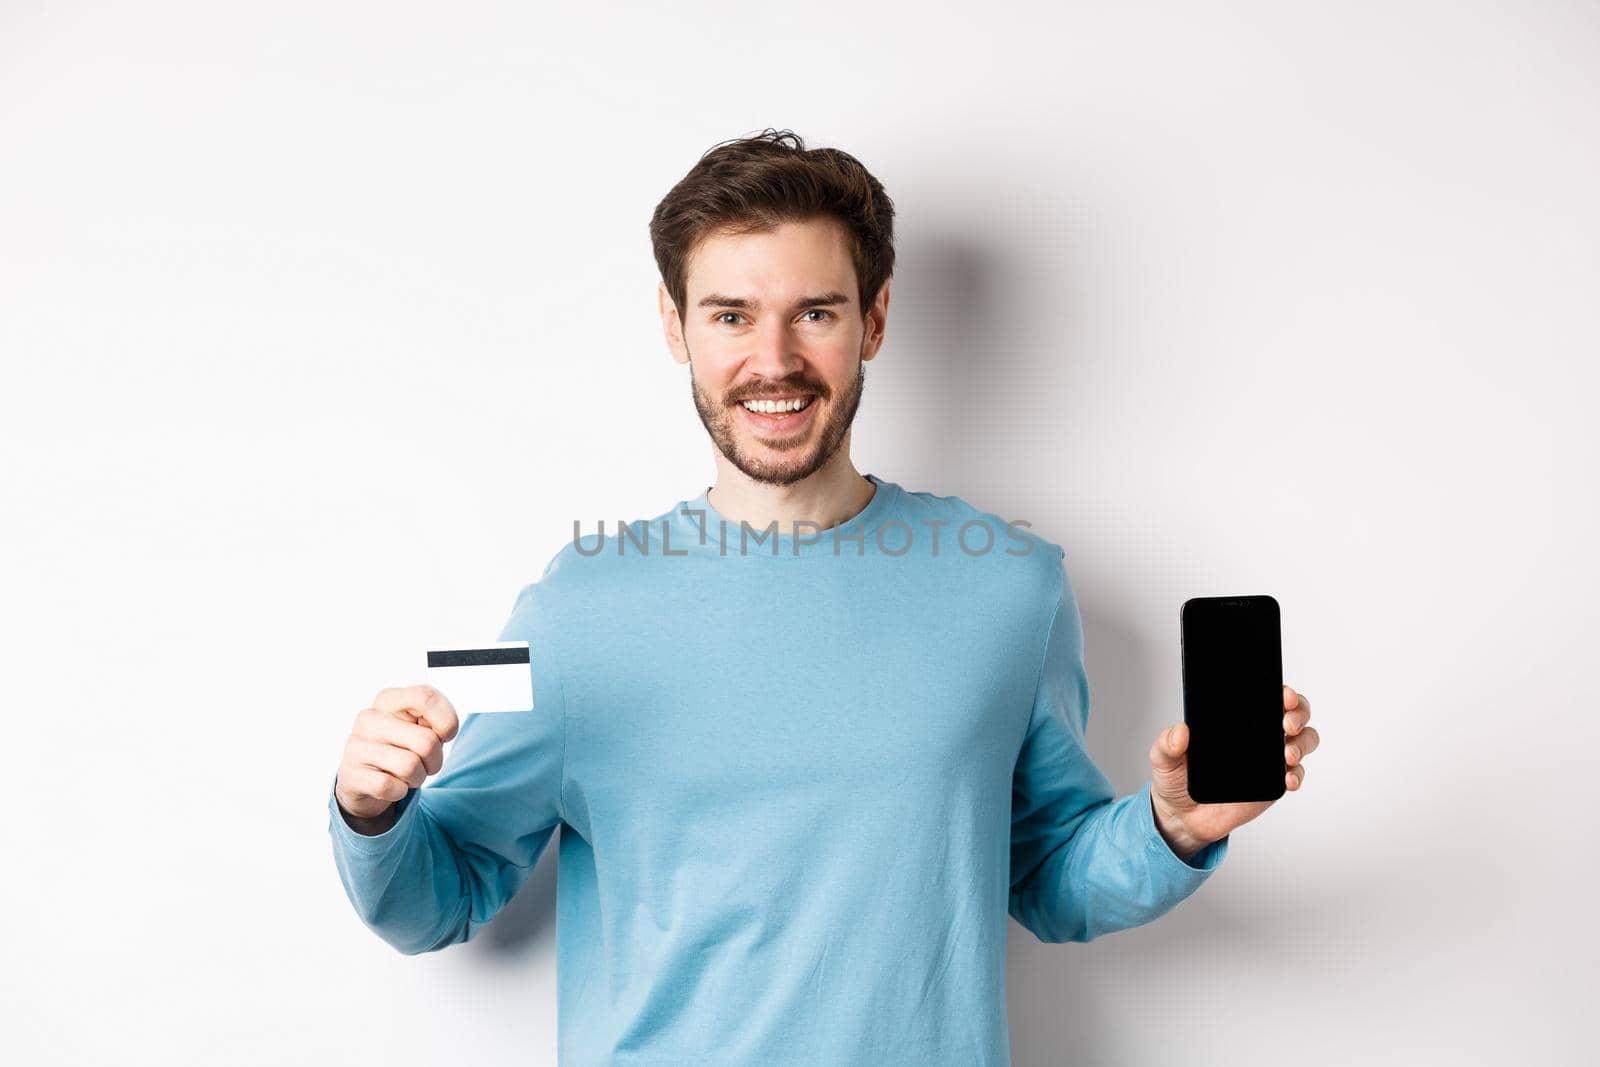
[{"x": 718, "y": 300}]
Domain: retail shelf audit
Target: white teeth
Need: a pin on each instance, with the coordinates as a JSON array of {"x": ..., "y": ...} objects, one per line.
[{"x": 774, "y": 406}]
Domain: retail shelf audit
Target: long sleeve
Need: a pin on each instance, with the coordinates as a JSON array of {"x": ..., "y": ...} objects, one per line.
[
  {"x": 1084, "y": 864},
  {"x": 465, "y": 842}
]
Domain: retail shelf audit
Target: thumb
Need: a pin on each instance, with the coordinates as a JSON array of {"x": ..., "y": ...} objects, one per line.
[
  {"x": 1167, "y": 754},
  {"x": 1169, "y": 766}
]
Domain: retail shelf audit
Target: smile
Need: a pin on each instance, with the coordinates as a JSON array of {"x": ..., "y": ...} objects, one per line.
[{"x": 778, "y": 415}]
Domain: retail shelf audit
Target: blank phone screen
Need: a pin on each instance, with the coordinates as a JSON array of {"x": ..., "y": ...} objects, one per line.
[{"x": 1233, "y": 698}]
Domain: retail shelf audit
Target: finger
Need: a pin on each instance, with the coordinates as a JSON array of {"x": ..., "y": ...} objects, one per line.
[
  {"x": 1304, "y": 743},
  {"x": 367, "y": 781},
  {"x": 1166, "y": 754},
  {"x": 422, "y": 702},
  {"x": 1294, "y": 777},
  {"x": 399, "y": 763},
  {"x": 386, "y": 729},
  {"x": 1295, "y": 720}
]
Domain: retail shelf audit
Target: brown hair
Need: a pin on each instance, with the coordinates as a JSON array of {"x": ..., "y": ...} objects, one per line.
[{"x": 752, "y": 184}]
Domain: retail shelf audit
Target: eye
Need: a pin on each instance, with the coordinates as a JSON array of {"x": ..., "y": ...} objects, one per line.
[
  {"x": 733, "y": 313},
  {"x": 820, "y": 311}
]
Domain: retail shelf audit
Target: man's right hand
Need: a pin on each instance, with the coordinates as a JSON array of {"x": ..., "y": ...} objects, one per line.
[{"x": 395, "y": 745}]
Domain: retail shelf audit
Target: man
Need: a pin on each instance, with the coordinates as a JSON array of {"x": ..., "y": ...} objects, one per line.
[{"x": 813, "y": 741}]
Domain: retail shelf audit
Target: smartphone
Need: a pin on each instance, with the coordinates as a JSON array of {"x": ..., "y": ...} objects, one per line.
[{"x": 1233, "y": 698}]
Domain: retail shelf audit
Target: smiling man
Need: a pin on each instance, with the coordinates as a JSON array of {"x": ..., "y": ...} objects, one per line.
[{"x": 838, "y": 741}]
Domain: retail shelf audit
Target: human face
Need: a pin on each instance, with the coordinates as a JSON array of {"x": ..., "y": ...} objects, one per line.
[{"x": 772, "y": 316}]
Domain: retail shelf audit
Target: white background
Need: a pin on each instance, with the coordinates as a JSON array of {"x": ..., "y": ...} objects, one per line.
[{"x": 322, "y": 322}]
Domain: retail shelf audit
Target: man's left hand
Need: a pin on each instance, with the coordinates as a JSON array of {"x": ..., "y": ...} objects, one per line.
[{"x": 1187, "y": 826}]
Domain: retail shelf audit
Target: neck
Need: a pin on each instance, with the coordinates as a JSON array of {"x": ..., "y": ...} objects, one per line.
[{"x": 831, "y": 496}]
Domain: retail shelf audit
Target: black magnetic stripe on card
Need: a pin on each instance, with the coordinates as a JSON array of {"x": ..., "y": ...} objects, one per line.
[{"x": 477, "y": 657}]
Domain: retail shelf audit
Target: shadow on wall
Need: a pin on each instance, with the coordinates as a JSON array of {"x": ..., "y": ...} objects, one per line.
[
  {"x": 954, "y": 353},
  {"x": 946, "y": 326},
  {"x": 528, "y": 920}
]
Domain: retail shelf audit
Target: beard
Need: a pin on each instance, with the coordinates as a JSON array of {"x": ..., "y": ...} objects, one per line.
[{"x": 798, "y": 459}]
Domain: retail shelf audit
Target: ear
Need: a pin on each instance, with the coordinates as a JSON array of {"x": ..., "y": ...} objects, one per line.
[
  {"x": 671, "y": 324},
  {"x": 877, "y": 322}
]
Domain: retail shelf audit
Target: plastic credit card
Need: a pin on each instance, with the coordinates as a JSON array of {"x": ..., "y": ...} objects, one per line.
[{"x": 488, "y": 678}]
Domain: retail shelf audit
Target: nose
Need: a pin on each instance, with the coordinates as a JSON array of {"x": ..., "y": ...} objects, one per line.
[{"x": 774, "y": 351}]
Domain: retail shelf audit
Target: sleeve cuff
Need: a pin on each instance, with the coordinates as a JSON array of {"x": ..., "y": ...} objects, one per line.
[
  {"x": 351, "y": 840},
  {"x": 1204, "y": 862}
]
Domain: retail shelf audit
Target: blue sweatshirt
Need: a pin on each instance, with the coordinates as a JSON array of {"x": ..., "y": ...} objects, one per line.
[{"x": 802, "y": 780}]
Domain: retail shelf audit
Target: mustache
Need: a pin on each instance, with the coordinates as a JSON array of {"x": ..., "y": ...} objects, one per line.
[{"x": 776, "y": 394}]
